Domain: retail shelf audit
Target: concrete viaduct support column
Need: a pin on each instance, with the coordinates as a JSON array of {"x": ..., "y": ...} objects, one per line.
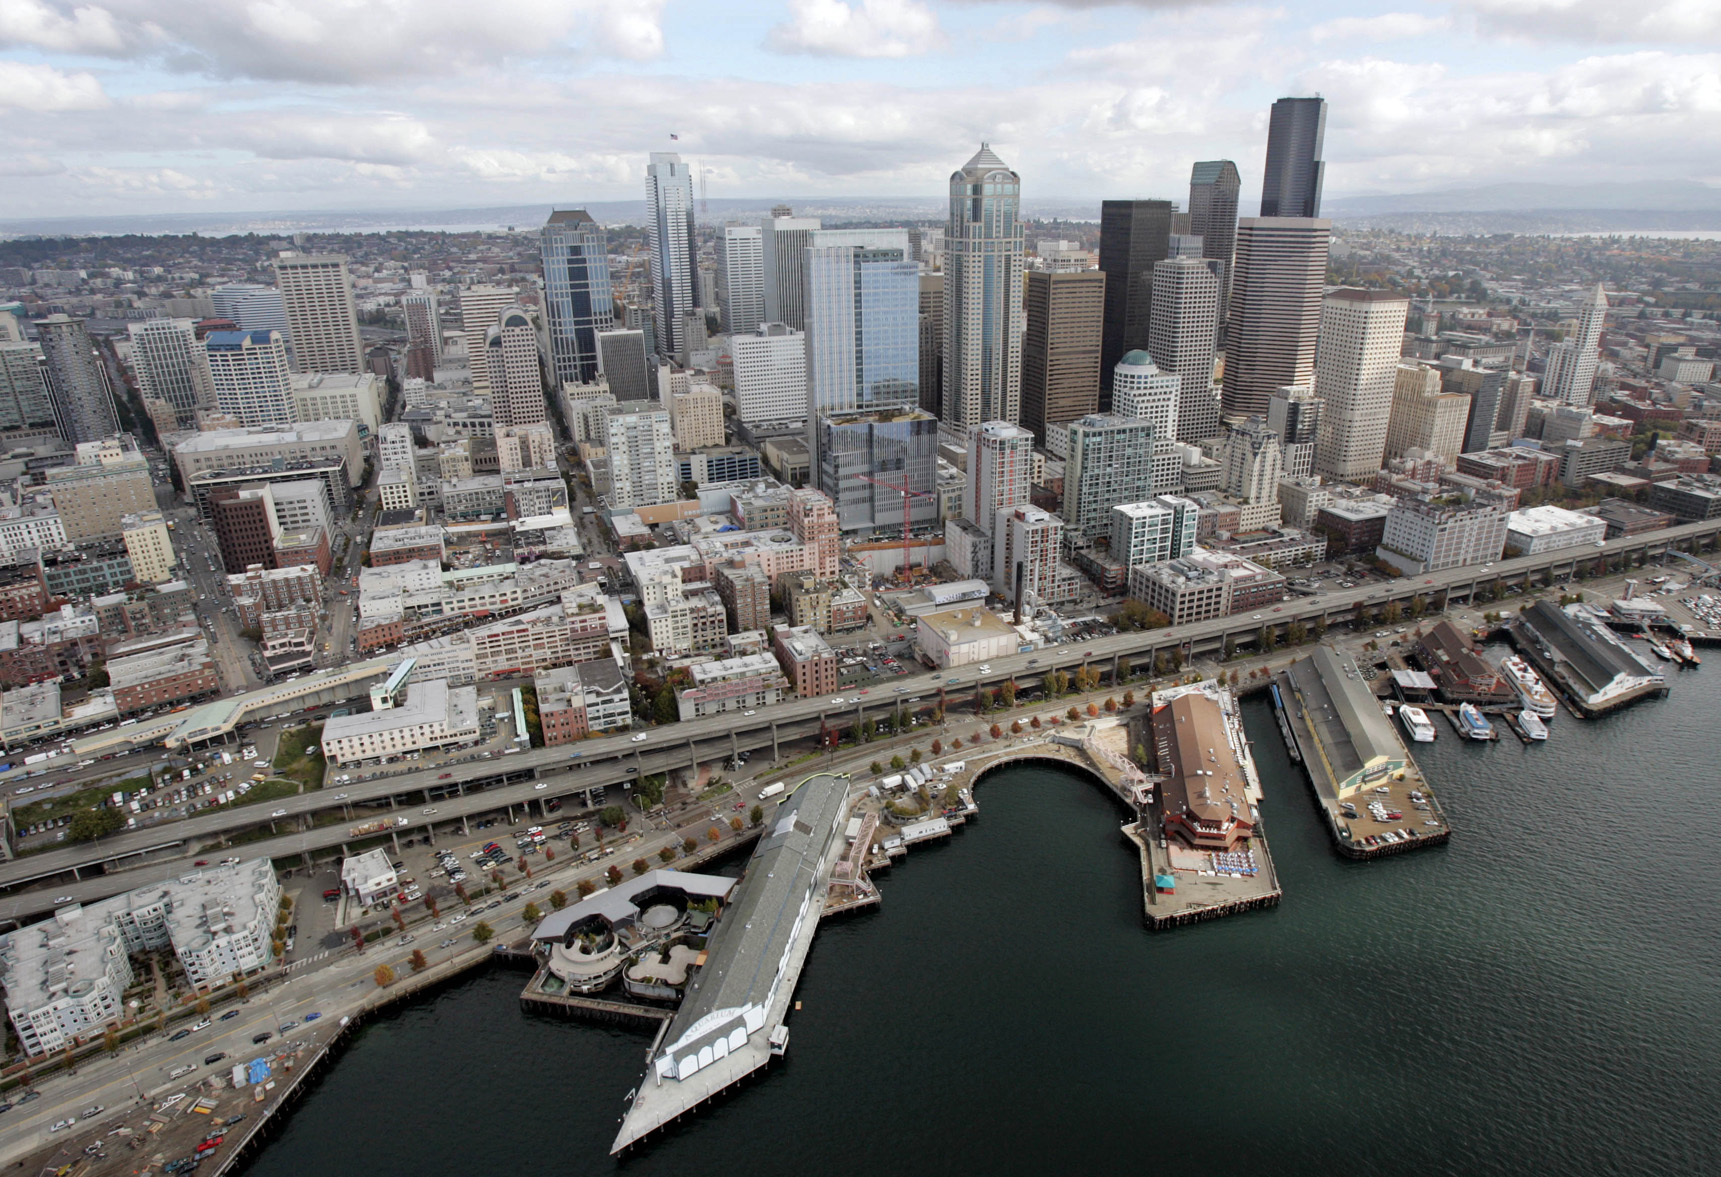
[{"x": 775, "y": 754}]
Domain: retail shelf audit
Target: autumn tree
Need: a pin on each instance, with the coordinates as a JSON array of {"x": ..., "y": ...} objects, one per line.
[
  {"x": 1073, "y": 714},
  {"x": 737, "y": 824},
  {"x": 1111, "y": 705},
  {"x": 713, "y": 834},
  {"x": 399, "y": 919},
  {"x": 558, "y": 899},
  {"x": 1034, "y": 723},
  {"x": 995, "y": 731},
  {"x": 483, "y": 932},
  {"x": 640, "y": 866},
  {"x": 1093, "y": 710},
  {"x": 938, "y": 747},
  {"x": 419, "y": 964},
  {"x": 1129, "y": 698},
  {"x": 614, "y": 875},
  {"x": 585, "y": 887},
  {"x": 914, "y": 756},
  {"x": 666, "y": 855},
  {"x": 688, "y": 845},
  {"x": 384, "y": 976},
  {"x": 430, "y": 906},
  {"x": 460, "y": 893}
]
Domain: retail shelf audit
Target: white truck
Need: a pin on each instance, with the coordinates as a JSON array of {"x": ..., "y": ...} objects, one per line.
[{"x": 770, "y": 791}]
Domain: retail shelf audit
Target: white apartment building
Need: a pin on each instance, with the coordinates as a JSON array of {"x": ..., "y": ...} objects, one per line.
[
  {"x": 1153, "y": 531},
  {"x": 32, "y": 524},
  {"x": 1026, "y": 539},
  {"x": 322, "y": 317},
  {"x": 339, "y": 396},
  {"x": 150, "y": 546},
  {"x": 434, "y": 715},
  {"x": 770, "y": 374},
  {"x": 253, "y": 383},
  {"x": 171, "y": 366},
  {"x": 1426, "y": 536},
  {"x": 1425, "y": 418},
  {"x": 696, "y": 417},
  {"x": 525, "y": 447},
  {"x": 745, "y": 683},
  {"x": 1534, "y": 530},
  {"x": 641, "y": 449},
  {"x": 1356, "y": 365}
]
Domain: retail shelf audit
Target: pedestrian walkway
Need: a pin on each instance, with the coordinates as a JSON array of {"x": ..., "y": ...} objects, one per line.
[{"x": 305, "y": 960}]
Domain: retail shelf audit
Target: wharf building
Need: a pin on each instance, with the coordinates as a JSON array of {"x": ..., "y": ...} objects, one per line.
[
  {"x": 66, "y": 976},
  {"x": 1204, "y": 788},
  {"x": 1356, "y": 744},
  {"x": 1275, "y": 311},
  {"x": 577, "y": 299},
  {"x": 983, "y": 317},
  {"x": 1581, "y": 655},
  {"x": 1460, "y": 674},
  {"x": 1135, "y": 235},
  {"x": 589, "y": 944},
  {"x": 322, "y": 317}
]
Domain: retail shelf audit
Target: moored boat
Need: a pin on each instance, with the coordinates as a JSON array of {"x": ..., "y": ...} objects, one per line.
[
  {"x": 1683, "y": 652},
  {"x": 1532, "y": 726},
  {"x": 1416, "y": 722},
  {"x": 1532, "y": 692},
  {"x": 1472, "y": 723}
]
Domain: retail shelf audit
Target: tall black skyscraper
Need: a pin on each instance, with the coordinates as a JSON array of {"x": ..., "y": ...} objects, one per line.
[
  {"x": 1292, "y": 184},
  {"x": 1213, "y": 191},
  {"x": 1134, "y": 234}
]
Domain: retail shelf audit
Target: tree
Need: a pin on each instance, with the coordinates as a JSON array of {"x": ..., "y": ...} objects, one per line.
[
  {"x": 1034, "y": 723},
  {"x": 203, "y": 1005},
  {"x": 399, "y": 920},
  {"x": 1111, "y": 704},
  {"x": 640, "y": 866},
  {"x": 1136, "y": 615},
  {"x": 1073, "y": 715},
  {"x": 1057, "y": 683},
  {"x": 358, "y": 938},
  {"x": 713, "y": 834},
  {"x": 483, "y": 932},
  {"x": 938, "y": 747},
  {"x": 996, "y": 732},
  {"x": 614, "y": 875},
  {"x": 756, "y": 815},
  {"x": 110, "y": 1039},
  {"x": 688, "y": 845},
  {"x": 1007, "y": 693},
  {"x": 1093, "y": 710},
  {"x": 496, "y": 876},
  {"x": 1296, "y": 633},
  {"x": 666, "y": 855},
  {"x": 521, "y": 864},
  {"x": 531, "y": 914},
  {"x": 419, "y": 964},
  {"x": 1392, "y": 612},
  {"x": 956, "y": 744},
  {"x": 430, "y": 906},
  {"x": 1141, "y": 754},
  {"x": 1016, "y": 727},
  {"x": 558, "y": 899},
  {"x": 651, "y": 789},
  {"x": 585, "y": 887},
  {"x": 877, "y": 768},
  {"x": 573, "y": 841},
  {"x": 897, "y": 763},
  {"x": 385, "y": 975},
  {"x": 549, "y": 854},
  {"x": 914, "y": 756},
  {"x": 460, "y": 894},
  {"x": 612, "y": 816},
  {"x": 1266, "y": 639},
  {"x": 1129, "y": 698}
]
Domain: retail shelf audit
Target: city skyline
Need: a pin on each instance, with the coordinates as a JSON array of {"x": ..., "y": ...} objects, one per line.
[{"x": 116, "y": 105}]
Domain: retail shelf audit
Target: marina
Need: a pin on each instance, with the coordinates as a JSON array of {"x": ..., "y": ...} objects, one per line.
[
  {"x": 1578, "y": 654},
  {"x": 1416, "y": 724}
]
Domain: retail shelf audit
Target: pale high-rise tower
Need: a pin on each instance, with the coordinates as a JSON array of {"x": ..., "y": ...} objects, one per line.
[
  {"x": 1361, "y": 334},
  {"x": 1275, "y": 309},
  {"x": 1571, "y": 372},
  {"x": 741, "y": 278},
  {"x": 669, "y": 223},
  {"x": 77, "y": 381},
  {"x": 171, "y": 366},
  {"x": 983, "y": 295},
  {"x": 322, "y": 317},
  {"x": 1181, "y": 338}
]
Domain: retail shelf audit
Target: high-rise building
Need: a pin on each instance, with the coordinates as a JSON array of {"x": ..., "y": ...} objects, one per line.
[
  {"x": 1134, "y": 235},
  {"x": 770, "y": 375},
  {"x": 1141, "y": 391},
  {"x": 1291, "y": 184},
  {"x": 1294, "y": 413},
  {"x": 322, "y": 317},
  {"x": 1026, "y": 551},
  {"x": 983, "y": 295},
  {"x": 1061, "y": 350},
  {"x": 1275, "y": 315},
  {"x": 1424, "y": 417},
  {"x": 891, "y": 448},
  {"x": 480, "y": 308},
  {"x": 1182, "y": 338},
  {"x": 782, "y": 254},
  {"x": 77, "y": 381},
  {"x": 741, "y": 278},
  {"x": 419, "y": 308},
  {"x": 170, "y": 365},
  {"x": 696, "y": 417},
  {"x": 1000, "y": 470},
  {"x": 623, "y": 356},
  {"x": 24, "y": 399},
  {"x": 641, "y": 449},
  {"x": 252, "y": 307},
  {"x": 1154, "y": 531},
  {"x": 577, "y": 299},
  {"x": 1110, "y": 462},
  {"x": 862, "y": 321},
  {"x": 1251, "y": 462},
  {"x": 1571, "y": 370},
  {"x": 253, "y": 381},
  {"x": 512, "y": 360},
  {"x": 931, "y": 341},
  {"x": 1362, "y": 332},
  {"x": 1213, "y": 191},
  {"x": 669, "y": 224}
]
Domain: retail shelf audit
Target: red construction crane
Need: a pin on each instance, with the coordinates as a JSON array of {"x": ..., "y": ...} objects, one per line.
[{"x": 908, "y": 496}]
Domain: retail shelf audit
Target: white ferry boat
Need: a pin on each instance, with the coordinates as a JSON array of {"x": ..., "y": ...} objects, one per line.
[
  {"x": 1532, "y": 726},
  {"x": 1472, "y": 723},
  {"x": 1530, "y": 688},
  {"x": 1416, "y": 722}
]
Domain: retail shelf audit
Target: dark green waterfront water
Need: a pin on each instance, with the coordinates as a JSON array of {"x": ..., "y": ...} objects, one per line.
[{"x": 1539, "y": 997}]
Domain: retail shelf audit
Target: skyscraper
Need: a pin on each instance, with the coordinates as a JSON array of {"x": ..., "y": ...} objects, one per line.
[
  {"x": 24, "y": 399},
  {"x": 1181, "y": 339},
  {"x": 1275, "y": 309},
  {"x": 624, "y": 364},
  {"x": 1361, "y": 333},
  {"x": 1294, "y": 413},
  {"x": 898, "y": 447},
  {"x": 931, "y": 341},
  {"x": 170, "y": 365},
  {"x": 1423, "y": 417},
  {"x": 1571, "y": 371},
  {"x": 1061, "y": 350},
  {"x": 741, "y": 278},
  {"x": 252, "y": 307},
  {"x": 423, "y": 332},
  {"x": 669, "y": 224},
  {"x": 1134, "y": 234},
  {"x": 480, "y": 308},
  {"x": 1213, "y": 191},
  {"x": 1000, "y": 470},
  {"x": 253, "y": 382},
  {"x": 782, "y": 256},
  {"x": 516, "y": 375},
  {"x": 77, "y": 381},
  {"x": 322, "y": 318},
  {"x": 1110, "y": 462},
  {"x": 862, "y": 321},
  {"x": 1142, "y": 391},
  {"x": 1250, "y": 462},
  {"x": 983, "y": 295},
  {"x": 1291, "y": 185},
  {"x": 577, "y": 300}
]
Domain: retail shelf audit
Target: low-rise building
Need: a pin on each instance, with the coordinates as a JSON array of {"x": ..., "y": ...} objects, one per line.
[
  {"x": 743, "y": 683},
  {"x": 582, "y": 699},
  {"x": 1204, "y": 584},
  {"x": 1426, "y": 535},
  {"x": 433, "y": 715},
  {"x": 1689, "y": 499},
  {"x": 962, "y": 637},
  {"x": 1623, "y": 518},
  {"x": 1534, "y": 530},
  {"x": 807, "y": 659},
  {"x": 171, "y": 668},
  {"x": 1460, "y": 674},
  {"x": 397, "y": 545},
  {"x": 369, "y": 877},
  {"x": 1204, "y": 791},
  {"x": 150, "y": 546}
]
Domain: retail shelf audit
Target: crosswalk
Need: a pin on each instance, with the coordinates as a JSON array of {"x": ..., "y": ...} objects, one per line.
[{"x": 305, "y": 960}]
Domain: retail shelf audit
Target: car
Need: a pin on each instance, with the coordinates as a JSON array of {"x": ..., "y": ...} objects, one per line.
[
  {"x": 259, "y": 764},
  {"x": 229, "y": 1015},
  {"x": 287, "y": 1027},
  {"x": 428, "y": 812},
  {"x": 211, "y": 1060},
  {"x": 749, "y": 713},
  {"x": 201, "y": 862},
  {"x": 461, "y": 918},
  {"x": 259, "y": 1039},
  {"x": 202, "y": 1025},
  {"x": 63, "y": 899},
  {"x": 279, "y": 813},
  {"x": 66, "y": 1123},
  {"x": 631, "y": 770},
  {"x": 639, "y": 739},
  {"x": 541, "y": 785},
  {"x": 93, "y": 1110},
  {"x": 444, "y": 776},
  {"x": 178, "y": 1034}
]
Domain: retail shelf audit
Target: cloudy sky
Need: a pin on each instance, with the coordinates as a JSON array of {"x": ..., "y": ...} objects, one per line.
[{"x": 111, "y": 106}]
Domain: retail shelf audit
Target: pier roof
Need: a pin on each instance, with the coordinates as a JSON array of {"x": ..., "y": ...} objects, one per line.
[
  {"x": 1354, "y": 734},
  {"x": 617, "y": 904}
]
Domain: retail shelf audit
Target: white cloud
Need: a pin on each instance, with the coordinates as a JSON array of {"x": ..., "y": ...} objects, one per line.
[
  {"x": 25, "y": 86},
  {"x": 1661, "y": 22},
  {"x": 1389, "y": 26},
  {"x": 868, "y": 28},
  {"x": 85, "y": 29},
  {"x": 390, "y": 139}
]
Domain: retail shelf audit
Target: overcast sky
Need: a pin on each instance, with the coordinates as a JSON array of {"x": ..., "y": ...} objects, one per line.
[{"x": 110, "y": 106}]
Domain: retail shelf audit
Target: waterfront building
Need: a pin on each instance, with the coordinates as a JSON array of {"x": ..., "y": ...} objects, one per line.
[
  {"x": 322, "y": 317},
  {"x": 1183, "y": 330},
  {"x": 1275, "y": 311},
  {"x": 1291, "y": 180},
  {"x": 577, "y": 299},
  {"x": 1355, "y": 742},
  {"x": 674, "y": 250},
  {"x": 1206, "y": 795},
  {"x": 1583, "y": 655},
  {"x": 1135, "y": 235},
  {"x": 983, "y": 295},
  {"x": 1061, "y": 352},
  {"x": 1361, "y": 334}
]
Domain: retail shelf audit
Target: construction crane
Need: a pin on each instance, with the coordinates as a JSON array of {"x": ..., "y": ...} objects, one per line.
[{"x": 908, "y": 497}]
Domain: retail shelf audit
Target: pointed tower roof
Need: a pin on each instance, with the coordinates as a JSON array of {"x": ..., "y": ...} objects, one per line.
[
  {"x": 984, "y": 160},
  {"x": 1599, "y": 297}
]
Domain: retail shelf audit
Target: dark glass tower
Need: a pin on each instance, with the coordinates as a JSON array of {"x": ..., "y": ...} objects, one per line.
[
  {"x": 577, "y": 298},
  {"x": 1134, "y": 234},
  {"x": 1213, "y": 191},
  {"x": 1291, "y": 186}
]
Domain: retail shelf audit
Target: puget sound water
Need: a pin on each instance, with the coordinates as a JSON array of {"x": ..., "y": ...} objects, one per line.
[{"x": 1538, "y": 997}]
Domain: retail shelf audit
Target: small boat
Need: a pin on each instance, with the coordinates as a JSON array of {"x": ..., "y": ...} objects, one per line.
[
  {"x": 1532, "y": 692},
  {"x": 1683, "y": 652},
  {"x": 1471, "y": 722},
  {"x": 1660, "y": 651},
  {"x": 1415, "y": 721},
  {"x": 1532, "y": 726}
]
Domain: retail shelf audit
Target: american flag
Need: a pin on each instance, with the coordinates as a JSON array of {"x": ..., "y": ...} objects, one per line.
[{"x": 676, "y": 137}]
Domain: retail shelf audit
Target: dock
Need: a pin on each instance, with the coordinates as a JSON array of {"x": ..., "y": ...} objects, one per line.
[{"x": 1590, "y": 669}]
